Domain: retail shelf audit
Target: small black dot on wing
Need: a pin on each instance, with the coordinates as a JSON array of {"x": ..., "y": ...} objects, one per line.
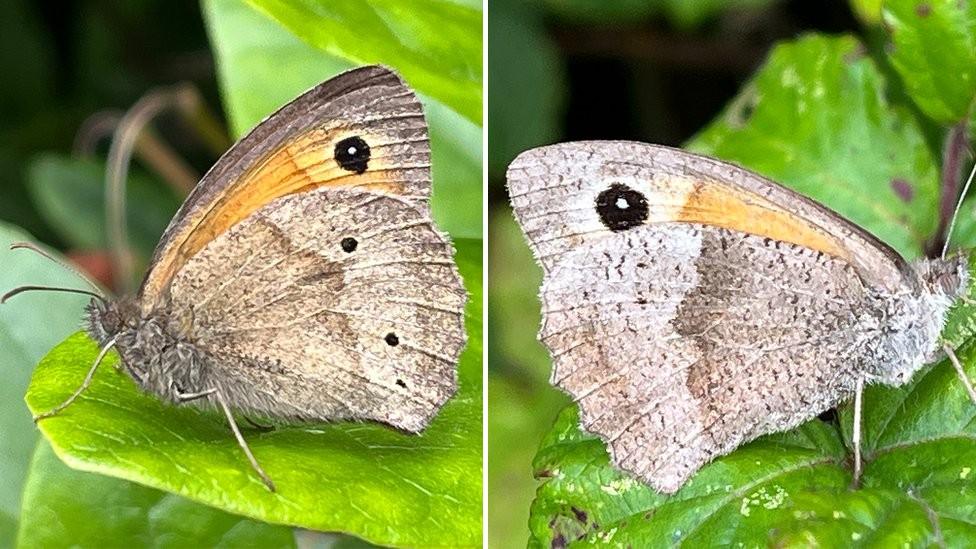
[{"x": 349, "y": 244}]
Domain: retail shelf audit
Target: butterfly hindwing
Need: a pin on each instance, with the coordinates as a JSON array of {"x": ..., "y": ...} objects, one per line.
[
  {"x": 675, "y": 341},
  {"x": 347, "y": 305}
]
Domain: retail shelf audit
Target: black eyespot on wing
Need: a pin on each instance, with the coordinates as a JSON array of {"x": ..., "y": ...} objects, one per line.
[
  {"x": 401, "y": 383},
  {"x": 349, "y": 244},
  {"x": 621, "y": 207},
  {"x": 352, "y": 154},
  {"x": 391, "y": 339}
]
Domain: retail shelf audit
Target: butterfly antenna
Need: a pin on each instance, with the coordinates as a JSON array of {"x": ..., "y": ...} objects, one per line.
[
  {"x": 955, "y": 213},
  {"x": 32, "y": 247}
]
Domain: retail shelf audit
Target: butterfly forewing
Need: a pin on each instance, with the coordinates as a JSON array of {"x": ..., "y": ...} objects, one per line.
[
  {"x": 363, "y": 129},
  {"x": 556, "y": 190}
]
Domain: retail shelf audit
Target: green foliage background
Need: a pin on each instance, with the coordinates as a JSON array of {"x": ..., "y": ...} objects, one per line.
[
  {"x": 853, "y": 111},
  {"x": 249, "y": 56}
]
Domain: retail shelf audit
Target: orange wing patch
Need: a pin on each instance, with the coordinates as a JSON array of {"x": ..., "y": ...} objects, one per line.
[
  {"x": 692, "y": 201},
  {"x": 304, "y": 164}
]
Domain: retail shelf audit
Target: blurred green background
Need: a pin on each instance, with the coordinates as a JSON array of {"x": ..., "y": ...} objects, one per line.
[
  {"x": 71, "y": 70},
  {"x": 661, "y": 71}
]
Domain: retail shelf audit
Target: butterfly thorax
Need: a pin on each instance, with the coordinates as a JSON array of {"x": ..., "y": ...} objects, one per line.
[
  {"x": 154, "y": 352},
  {"x": 911, "y": 323}
]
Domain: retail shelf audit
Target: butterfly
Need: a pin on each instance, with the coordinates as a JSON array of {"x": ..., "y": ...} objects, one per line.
[
  {"x": 303, "y": 278},
  {"x": 690, "y": 305}
]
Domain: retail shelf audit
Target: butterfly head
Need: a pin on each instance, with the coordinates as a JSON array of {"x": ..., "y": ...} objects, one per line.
[
  {"x": 106, "y": 319},
  {"x": 944, "y": 278}
]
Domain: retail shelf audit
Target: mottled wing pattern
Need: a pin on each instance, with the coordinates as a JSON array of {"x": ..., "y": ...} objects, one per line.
[
  {"x": 679, "y": 341},
  {"x": 303, "y": 146},
  {"x": 329, "y": 304},
  {"x": 676, "y": 331},
  {"x": 553, "y": 190}
]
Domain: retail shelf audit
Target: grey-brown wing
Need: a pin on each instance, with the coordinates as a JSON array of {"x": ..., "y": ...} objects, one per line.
[
  {"x": 329, "y": 304},
  {"x": 362, "y": 129},
  {"x": 554, "y": 189},
  {"x": 680, "y": 342}
]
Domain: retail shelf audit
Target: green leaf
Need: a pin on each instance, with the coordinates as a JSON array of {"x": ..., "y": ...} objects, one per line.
[
  {"x": 360, "y": 478},
  {"x": 526, "y": 85},
  {"x": 70, "y": 194},
  {"x": 435, "y": 44},
  {"x": 868, "y": 11},
  {"x": 933, "y": 48},
  {"x": 29, "y": 325},
  {"x": 814, "y": 118},
  {"x": 262, "y": 66},
  {"x": 68, "y": 508}
]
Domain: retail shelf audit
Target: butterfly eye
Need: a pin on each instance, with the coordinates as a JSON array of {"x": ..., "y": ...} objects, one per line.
[
  {"x": 621, "y": 208},
  {"x": 391, "y": 339},
  {"x": 352, "y": 154}
]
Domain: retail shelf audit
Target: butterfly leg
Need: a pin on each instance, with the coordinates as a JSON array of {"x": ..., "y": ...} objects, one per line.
[
  {"x": 856, "y": 435},
  {"x": 259, "y": 426},
  {"x": 960, "y": 371},
  {"x": 186, "y": 397},
  {"x": 84, "y": 384}
]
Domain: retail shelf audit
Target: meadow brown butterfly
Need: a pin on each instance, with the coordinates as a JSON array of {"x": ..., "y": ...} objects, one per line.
[
  {"x": 690, "y": 305},
  {"x": 303, "y": 278}
]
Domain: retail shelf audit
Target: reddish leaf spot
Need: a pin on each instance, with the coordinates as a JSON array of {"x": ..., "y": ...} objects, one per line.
[
  {"x": 580, "y": 515},
  {"x": 923, "y": 10},
  {"x": 903, "y": 189},
  {"x": 96, "y": 264}
]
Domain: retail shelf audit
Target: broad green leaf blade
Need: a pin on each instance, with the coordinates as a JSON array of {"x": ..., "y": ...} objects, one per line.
[
  {"x": 435, "y": 44},
  {"x": 814, "y": 118},
  {"x": 70, "y": 194},
  {"x": 262, "y": 66},
  {"x": 584, "y": 498},
  {"x": 363, "y": 479},
  {"x": 29, "y": 325},
  {"x": 868, "y": 11},
  {"x": 934, "y": 50},
  {"x": 68, "y": 508}
]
